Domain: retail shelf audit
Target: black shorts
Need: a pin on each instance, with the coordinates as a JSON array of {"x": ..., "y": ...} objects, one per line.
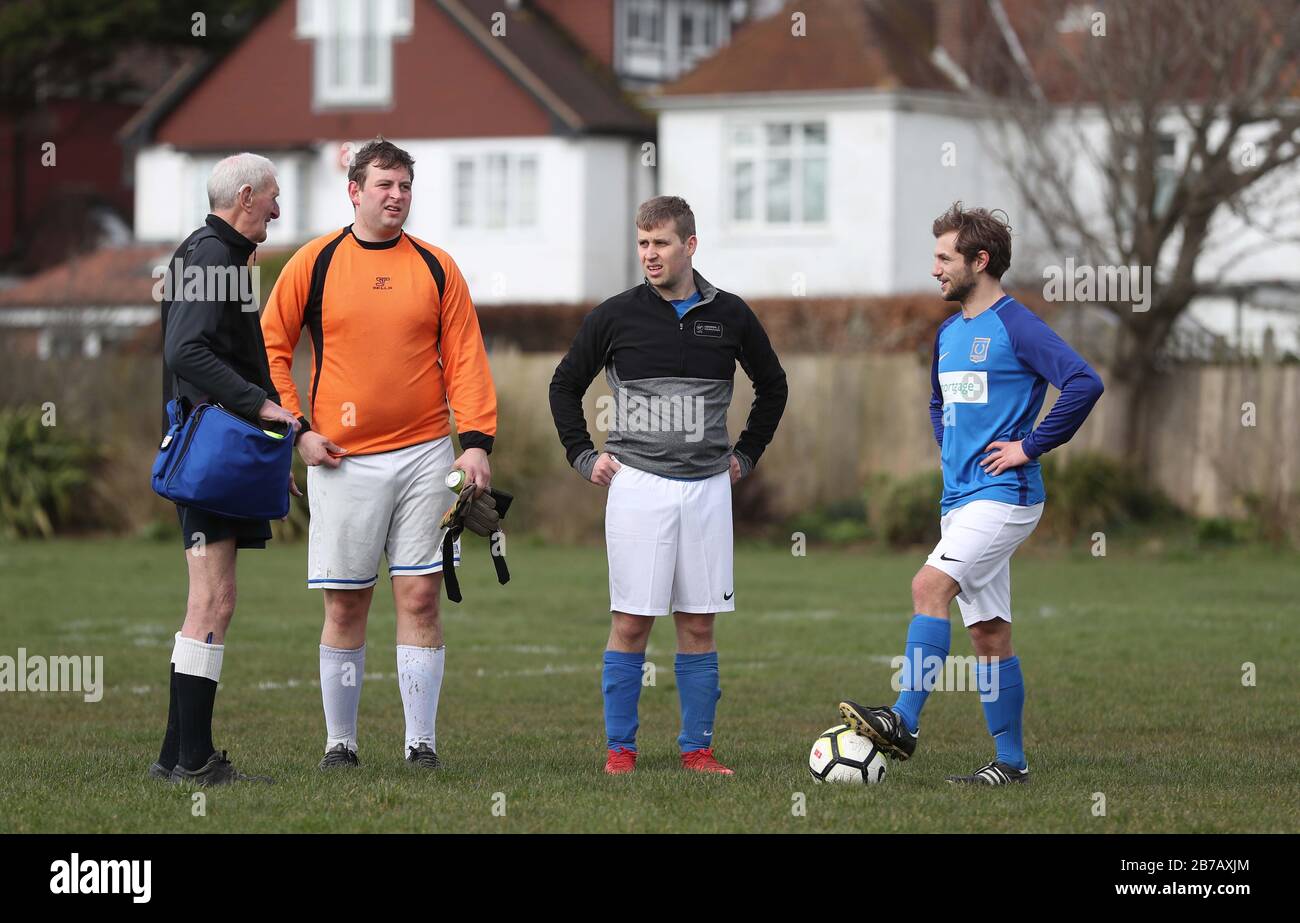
[{"x": 247, "y": 533}]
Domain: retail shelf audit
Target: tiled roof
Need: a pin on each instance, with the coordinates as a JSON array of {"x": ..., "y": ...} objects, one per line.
[
  {"x": 847, "y": 44},
  {"x": 1008, "y": 48},
  {"x": 574, "y": 84},
  {"x": 111, "y": 277},
  {"x": 580, "y": 92}
]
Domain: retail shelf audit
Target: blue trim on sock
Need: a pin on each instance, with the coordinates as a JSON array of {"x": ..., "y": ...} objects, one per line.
[
  {"x": 698, "y": 691},
  {"x": 927, "y": 637},
  {"x": 621, "y": 686},
  {"x": 1004, "y": 714}
]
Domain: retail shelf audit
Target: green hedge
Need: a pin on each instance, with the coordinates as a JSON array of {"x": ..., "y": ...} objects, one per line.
[
  {"x": 1087, "y": 494},
  {"x": 44, "y": 474}
]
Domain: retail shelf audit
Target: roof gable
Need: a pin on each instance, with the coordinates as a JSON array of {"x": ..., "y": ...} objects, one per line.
[
  {"x": 845, "y": 45},
  {"x": 452, "y": 78}
]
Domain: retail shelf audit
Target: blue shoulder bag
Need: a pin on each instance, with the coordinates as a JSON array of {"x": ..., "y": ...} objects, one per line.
[{"x": 217, "y": 461}]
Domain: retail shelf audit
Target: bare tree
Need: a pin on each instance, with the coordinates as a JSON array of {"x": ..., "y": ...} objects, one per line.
[{"x": 1147, "y": 134}]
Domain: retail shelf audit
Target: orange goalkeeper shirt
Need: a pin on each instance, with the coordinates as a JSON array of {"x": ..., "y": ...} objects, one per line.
[{"x": 396, "y": 343}]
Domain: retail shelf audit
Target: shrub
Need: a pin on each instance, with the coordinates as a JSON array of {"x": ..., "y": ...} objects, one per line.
[
  {"x": 43, "y": 472},
  {"x": 909, "y": 510},
  {"x": 1216, "y": 531},
  {"x": 1091, "y": 492},
  {"x": 1275, "y": 518},
  {"x": 839, "y": 523}
]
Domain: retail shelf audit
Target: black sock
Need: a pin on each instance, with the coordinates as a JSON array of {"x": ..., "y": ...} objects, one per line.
[
  {"x": 171, "y": 744},
  {"x": 195, "y": 696}
]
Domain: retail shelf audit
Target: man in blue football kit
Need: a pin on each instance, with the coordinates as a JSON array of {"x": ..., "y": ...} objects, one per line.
[{"x": 992, "y": 364}]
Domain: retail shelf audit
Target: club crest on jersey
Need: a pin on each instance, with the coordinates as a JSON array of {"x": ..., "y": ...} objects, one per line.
[
  {"x": 979, "y": 349},
  {"x": 382, "y": 283}
]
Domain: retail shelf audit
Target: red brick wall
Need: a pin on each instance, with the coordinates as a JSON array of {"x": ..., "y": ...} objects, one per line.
[
  {"x": 444, "y": 85},
  {"x": 88, "y": 167},
  {"x": 589, "y": 22}
]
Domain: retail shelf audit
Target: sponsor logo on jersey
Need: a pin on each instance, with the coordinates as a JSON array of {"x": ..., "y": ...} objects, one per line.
[
  {"x": 964, "y": 387},
  {"x": 705, "y": 328},
  {"x": 979, "y": 349},
  {"x": 382, "y": 283}
]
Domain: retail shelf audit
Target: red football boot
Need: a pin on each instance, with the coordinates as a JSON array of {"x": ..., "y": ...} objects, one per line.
[
  {"x": 703, "y": 761},
  {"x": 620, "y": 760}
]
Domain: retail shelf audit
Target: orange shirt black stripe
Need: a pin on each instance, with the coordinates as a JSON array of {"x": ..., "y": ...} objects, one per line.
[{"x": 396, "y": 343}]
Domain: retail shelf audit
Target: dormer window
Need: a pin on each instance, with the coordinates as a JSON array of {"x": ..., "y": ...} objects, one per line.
[
  {"x": 352, "y": 61},
  {"x": 659, "y": 40}
]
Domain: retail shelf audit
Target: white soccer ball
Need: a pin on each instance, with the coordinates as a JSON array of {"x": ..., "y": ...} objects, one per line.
[{"x": 841, "y": 754}]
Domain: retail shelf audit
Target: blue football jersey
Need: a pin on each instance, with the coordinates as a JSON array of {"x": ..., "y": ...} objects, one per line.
[{"x": 989, "y": 379}]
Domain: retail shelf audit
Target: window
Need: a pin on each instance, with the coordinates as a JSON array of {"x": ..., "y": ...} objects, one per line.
[
  {"x": 68, "y": 342},
  {"x": 697, "y": 32},
  {"x": 777, "y": 173},
  {"x": 645, "y": 21},
  {"x": 1166, "y": 171},
  {"x": 197, "y": 206},
  {"x": 663, "y": 39},
  {"x": 353, "y": 58},
  {"x": 495, "y": 191},
  {"x": 464, "y": 193},
  {"x": 526, "y": 191}
]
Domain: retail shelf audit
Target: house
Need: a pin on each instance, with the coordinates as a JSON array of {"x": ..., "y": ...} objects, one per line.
[
  {"x": 531, "y": 155},
  {"x": 807, "y": 176},
  {"x": 816, "y": 141},
  {"x": 531, "y": 149},
  {"x": 818, "y": 146},
  {"x": 63, "y": 180}
]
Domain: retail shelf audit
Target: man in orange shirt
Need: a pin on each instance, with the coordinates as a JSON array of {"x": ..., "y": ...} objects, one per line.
[{"x": 396, "y": 341}]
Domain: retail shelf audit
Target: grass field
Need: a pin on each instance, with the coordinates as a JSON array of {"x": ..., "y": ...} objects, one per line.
[{"x": 1133, "y": 667}]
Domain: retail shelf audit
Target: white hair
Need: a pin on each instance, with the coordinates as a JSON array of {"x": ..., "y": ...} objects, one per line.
[{"x": 233, "y": 174}]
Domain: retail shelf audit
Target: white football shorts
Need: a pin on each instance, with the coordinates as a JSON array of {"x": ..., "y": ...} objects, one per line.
[
  {"x": 669, "y": 544},
  {"x": 386, "y": 503},
  {"x": 975, "y": 549}
]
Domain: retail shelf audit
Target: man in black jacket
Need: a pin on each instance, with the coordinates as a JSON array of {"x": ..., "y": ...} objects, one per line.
[
  {"x": 669, "y": 348},
  {"x": 213, "y": 351}
]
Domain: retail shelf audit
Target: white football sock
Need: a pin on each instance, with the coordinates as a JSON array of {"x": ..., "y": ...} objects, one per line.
[
  {"x": 341, "y": 672},
  {"x": 198, "y": 659},
  {"x": 419, "y": 676}
]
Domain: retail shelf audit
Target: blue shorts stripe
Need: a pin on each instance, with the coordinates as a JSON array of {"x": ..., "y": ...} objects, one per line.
[{"x": 393, "y": 567}]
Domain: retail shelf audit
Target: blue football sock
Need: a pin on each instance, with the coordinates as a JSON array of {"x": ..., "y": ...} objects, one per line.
[
  {"x": 927, "y": 637},
  {"x": 621, "y": 684},
  {"x": 1004, "y": 712},
  {"x": 698, "y": 691}
]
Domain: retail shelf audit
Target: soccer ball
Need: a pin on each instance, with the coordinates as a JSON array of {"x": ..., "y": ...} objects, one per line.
[{"x": 840, "y": 754}]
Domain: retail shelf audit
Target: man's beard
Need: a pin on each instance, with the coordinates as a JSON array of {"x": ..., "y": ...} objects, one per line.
[{"x": 959, "y": 291}]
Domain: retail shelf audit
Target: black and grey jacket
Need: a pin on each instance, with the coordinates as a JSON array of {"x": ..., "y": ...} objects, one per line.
[
  {"x": 214, "y": 347},
  {"x": 671, "y": 381}
]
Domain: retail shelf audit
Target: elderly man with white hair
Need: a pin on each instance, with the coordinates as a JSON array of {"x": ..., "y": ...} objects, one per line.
[{"x": 213, "y": 352}]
